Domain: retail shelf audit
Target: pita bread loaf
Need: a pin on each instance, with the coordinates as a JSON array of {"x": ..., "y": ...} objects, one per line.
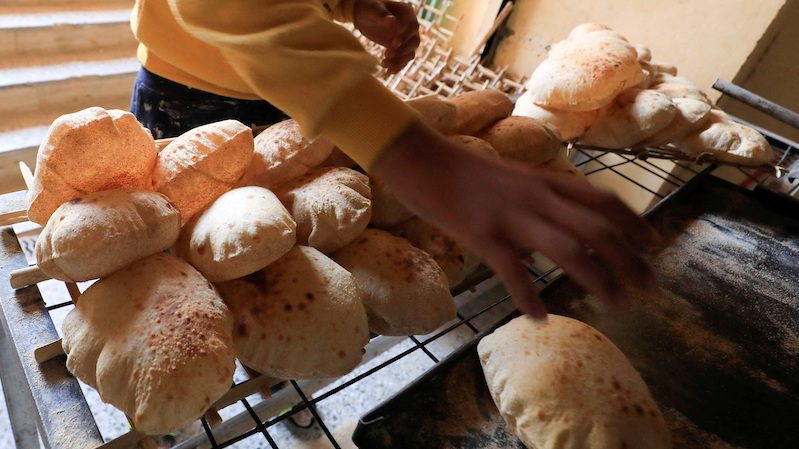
[
  {"x": 728, "y": 141},
  {"x": 478, "y": 109},
  {"x": 243, "y": 231},
  {"x": 594, "y": 29},
  {"x": 282, "y": 154},
  {"x": 634, "y": 116},
  {"x": 455, "y": 260},
  {"x": 476, "y": 146},
  {"x": 675, "y": 91},
  {"x": 561, "y": 383},
  {"x": 691, "y": 114},
  {"x": 301, "y": 317},
  {"x": 155, "y": 340},
  {"x": 567, "y": 125},
  {"x": 437, "y": 112},
  {"x": 95, "y": 235},
  {"x": 331, "y": 206},
  {"x": 387, "y": 210},
  {"x": 585, "y": 73},
  {"x": 522, "y": 139},
  {"x": 404, "y": 291},
  {"x": 203, "y": 163},
  {"x": 89, "y": 151}
]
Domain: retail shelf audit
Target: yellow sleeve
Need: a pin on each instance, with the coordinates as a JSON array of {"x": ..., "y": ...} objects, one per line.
[
  {"x": 291, "y": 54},
  {"x": 344, "y": 11}
]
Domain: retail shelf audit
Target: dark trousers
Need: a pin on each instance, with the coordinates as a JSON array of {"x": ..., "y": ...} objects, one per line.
[{"x": 169, "y": 109}]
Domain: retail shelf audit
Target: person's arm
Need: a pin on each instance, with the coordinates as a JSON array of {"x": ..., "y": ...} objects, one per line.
[
  {"x": 501, "y": 209},
  {"x": 293, "y": 55}
]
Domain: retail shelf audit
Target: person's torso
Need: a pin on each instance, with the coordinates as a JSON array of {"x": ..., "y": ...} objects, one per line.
[{"x": 168, "y": 50}]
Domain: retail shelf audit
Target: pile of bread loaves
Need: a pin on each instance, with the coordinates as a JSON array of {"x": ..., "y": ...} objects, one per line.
[
  {"x": 598, "y": 88},
  {"x": 274, "y": 250}
]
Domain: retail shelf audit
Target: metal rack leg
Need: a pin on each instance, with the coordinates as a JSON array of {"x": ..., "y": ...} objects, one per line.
[{"x": 17, "y": 397}]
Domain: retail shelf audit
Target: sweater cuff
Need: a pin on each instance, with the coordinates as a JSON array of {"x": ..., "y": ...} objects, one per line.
[
  {"x": 345, "y": 12},
  {"x": 367, "y": 119}
]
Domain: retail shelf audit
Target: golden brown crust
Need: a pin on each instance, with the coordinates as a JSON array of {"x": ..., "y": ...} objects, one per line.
[
  {"x": 97, "y": 234},
  {"x": 522, "y": 139},
  {"x": 478, "y": 109},
  {"x": 155, "y": 340},
  {"x": 89, "y": 151},
  {"x": 201, "y": 164},
  {"x": 562, "y": 380},
  {"x": 437, "y": 112},
  {"x": 405, "y": 292},
  {"x": 283, "y": 154},
  {"x": 300, "y": 317}
]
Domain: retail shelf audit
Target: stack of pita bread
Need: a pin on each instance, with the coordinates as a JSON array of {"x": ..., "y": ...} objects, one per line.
[
  {"x": 225, "y": 246},
  {"x": 597, "y": 88}
]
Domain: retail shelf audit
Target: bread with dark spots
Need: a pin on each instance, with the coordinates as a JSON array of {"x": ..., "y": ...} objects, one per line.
[
  {"x": 563, "y": 381},
  {"x": 202, "y": 164},
  {"x": 97, "y": 234},
  {"x": 90, "y": 151},
  {"x": 155, "y": 341},
  {"x": 405, "y": 292},
  {"x": 300, "y": 317}
]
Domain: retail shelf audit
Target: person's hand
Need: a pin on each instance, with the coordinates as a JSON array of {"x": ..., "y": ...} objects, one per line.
[
  {"x": 501, "y": 209},
  {"x": 392, "y": 25}
]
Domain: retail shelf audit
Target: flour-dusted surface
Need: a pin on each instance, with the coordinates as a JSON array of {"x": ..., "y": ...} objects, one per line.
[{"x": 717, "y": 344}]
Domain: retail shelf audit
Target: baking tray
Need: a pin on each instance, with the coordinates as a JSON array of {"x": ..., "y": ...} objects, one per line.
[{"x": 718, "y": 345}]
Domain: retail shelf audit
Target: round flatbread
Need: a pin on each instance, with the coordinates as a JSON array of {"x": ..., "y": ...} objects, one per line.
[
  {"x": 562, "y": 381},
  {"x": 634, "y": 116}
]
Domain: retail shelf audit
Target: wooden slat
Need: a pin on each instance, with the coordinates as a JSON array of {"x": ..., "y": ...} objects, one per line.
[
  {"x": 74, "y": 292},
  {"x": 13, "y": 204},
  {"x": 48, "y": 352},
  {"x": 27, "y": 174},
  {"x": 26, "y": 276},
  {"x": 13, "y": 217}
]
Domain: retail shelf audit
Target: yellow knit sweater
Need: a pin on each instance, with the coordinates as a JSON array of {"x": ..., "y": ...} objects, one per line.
[{"x": 288, "y": 52}]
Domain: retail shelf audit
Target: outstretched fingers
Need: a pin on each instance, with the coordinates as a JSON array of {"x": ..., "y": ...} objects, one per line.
[
  {"x": 535, "y": 233},
  {"x": 505, "y": 262}
]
